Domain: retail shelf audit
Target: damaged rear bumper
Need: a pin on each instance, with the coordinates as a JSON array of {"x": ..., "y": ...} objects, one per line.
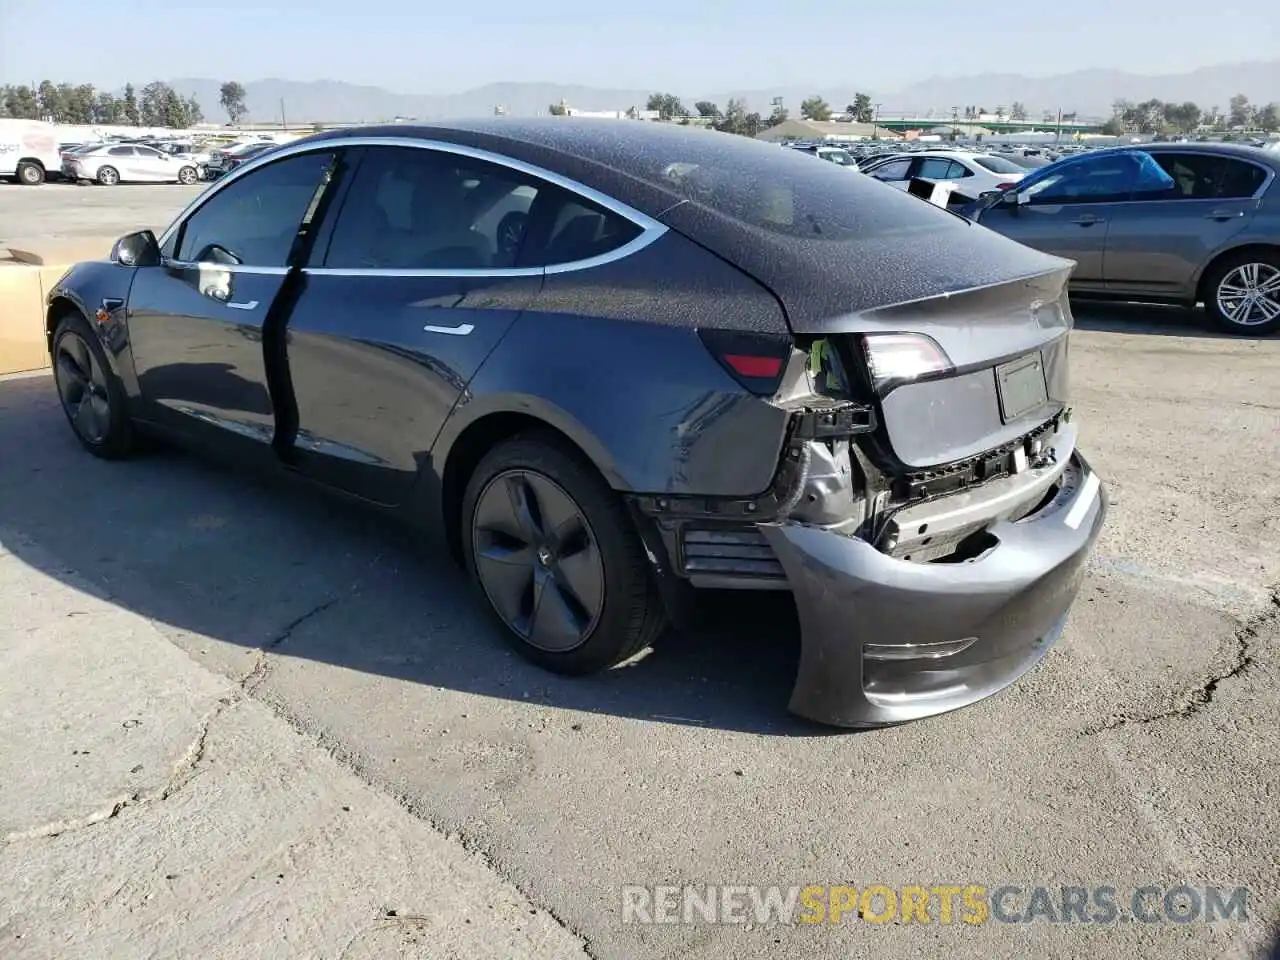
[{"x": 885, "y": 640}]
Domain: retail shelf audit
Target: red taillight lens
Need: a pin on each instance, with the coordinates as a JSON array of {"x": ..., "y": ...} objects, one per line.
[
  {"x": 749, "y": 366},
  {"x": 1005, "y": 186},
  {"x": 754, "y": 360}
]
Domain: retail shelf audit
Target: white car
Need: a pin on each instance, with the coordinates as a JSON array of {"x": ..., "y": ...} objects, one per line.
[
  {"x": 972, "y": 173},
  {"x": 114, "y": 163}
]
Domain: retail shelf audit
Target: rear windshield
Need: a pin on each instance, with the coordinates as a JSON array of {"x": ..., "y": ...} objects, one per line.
[
  {"x": 999, "y": 165},
  {"x": 785, "y": 192}
]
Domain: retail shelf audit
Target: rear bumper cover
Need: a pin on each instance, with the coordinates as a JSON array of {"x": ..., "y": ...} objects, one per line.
[{"x": 866, "y": 618}]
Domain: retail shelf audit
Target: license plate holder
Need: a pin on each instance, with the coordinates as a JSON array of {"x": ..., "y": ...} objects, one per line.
[{"x": 1020, "y": 385}]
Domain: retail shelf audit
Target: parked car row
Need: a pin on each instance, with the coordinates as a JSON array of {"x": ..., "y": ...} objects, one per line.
[{"x": 154, "y": 160}]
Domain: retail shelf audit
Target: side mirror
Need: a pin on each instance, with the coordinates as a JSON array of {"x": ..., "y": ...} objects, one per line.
[{"x": 139, "y": 249}]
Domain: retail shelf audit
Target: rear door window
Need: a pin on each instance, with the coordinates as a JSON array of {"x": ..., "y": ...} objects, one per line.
[
  {"x": 412, "y": 208},
  {"x": 1240, "y": 179}
]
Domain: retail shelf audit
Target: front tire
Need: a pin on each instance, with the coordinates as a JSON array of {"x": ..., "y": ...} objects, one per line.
[
  {"x": 92, "y": 396},
  {"x": 1242, "y": 294},
  {"x": 30, "y": 174},
  {"x": 188, "y": 176},
  {"x": 556, "y": 557},
  {"x": 108, "y": 176}
]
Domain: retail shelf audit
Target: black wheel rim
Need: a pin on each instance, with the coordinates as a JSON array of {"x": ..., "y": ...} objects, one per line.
[
  {"x": 537, "y": 560},
  {"x": 82, "y": 385}
]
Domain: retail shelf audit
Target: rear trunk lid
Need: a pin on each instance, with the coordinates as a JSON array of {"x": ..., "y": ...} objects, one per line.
[{"x": 996, "y": 308}]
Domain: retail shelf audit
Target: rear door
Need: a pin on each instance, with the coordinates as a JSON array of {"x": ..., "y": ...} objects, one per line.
[
  {"x": 1068, "y": 211},
  {"x": 1162, "y": 237},
  {"x": 199, "y": 323},
  {"x": 409, "y": 289}
]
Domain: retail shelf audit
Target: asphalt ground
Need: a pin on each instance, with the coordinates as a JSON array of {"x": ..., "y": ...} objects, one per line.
[{"x": 1142, "y": 753}]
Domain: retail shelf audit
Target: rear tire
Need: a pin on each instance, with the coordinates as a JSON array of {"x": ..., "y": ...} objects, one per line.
[
  {"x": 1242, "y": 293},
  {"x": 92, "y": 396},
  {"x": 556, "y": 557},
  {"x": 108, "y": 176},
  {"x": 30, "y": 174}
]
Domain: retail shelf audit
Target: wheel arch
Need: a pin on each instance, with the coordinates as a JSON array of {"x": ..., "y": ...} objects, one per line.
[
  {"x": 1218, "y": 259},
  {"x": 466, "y": 444}
]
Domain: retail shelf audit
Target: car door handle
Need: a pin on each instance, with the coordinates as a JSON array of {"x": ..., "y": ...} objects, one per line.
[
  {"x": 1088, "y": 220},
  {"x": 461, "y": 330},
  {"x": 242, "y": 305},
  {"x": 1224, "y": 214}
]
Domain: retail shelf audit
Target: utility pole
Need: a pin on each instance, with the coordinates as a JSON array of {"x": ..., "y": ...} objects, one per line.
[
  {"x": 955, "y": 126},
  {"x": 283, "y": 125},
  {"x": 875, "y": 123},
  {"x": 1058, "y": 133}
]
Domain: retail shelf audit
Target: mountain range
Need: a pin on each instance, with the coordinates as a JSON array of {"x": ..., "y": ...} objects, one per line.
[{"x": 1086, "y": 92}]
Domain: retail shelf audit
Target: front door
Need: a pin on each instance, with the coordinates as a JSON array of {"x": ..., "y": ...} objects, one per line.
[
  {"x": 199, "y": 323},
  {"x": 409, "y": 290},
  {"x": 1161, "y": 239},
  {"x": 1067, "y": 211}
]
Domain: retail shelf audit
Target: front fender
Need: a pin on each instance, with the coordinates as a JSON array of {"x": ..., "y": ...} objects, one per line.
[{"x": 88, "y": 287}]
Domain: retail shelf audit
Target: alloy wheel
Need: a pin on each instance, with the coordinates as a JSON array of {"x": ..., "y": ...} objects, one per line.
[
  {"x": 537, "y": 560},
  {"x": 1250, "y": 294},
  {"x": 108, "y": 177},
  {"x": 82, "y": 386},
  {"x": 187, "y": 175}
]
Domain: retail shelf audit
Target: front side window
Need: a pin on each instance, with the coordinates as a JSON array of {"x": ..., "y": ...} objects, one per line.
[
  {"x": 1105, "y": 178},
  {"x": 255, "y": 219},
  {"x": 893, "y": 170}
]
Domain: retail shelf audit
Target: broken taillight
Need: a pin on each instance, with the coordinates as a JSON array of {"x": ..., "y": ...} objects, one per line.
[{"x": 754, "y": 360}]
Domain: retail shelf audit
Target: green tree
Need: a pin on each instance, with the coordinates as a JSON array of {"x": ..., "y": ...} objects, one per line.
[
  {"x": 78, "y": 102},
  {"x": 861, "y": 109},
  {"x": 1114, "y": 127},
  {"x": 1268, "y": 118},
  {"x": 1241, "y": 113},
  {"x": 50, "y": 103},
  {"x": 231, "y": 95},
  {"x": 173, "y": 110},
  {"x": 815, "y": 108},
  {"x": 130, "y": 106},
  {"x": 779, "y": 115},
  {"x": 737, "y": 120},
  {"x": 667, "y": 105},
  {"x": 151, "y": 104},
  {"x": 706, "y": 108},
  {"x": 560, "y": 109},
  {"x": 1182, "y": 117},
  {"x": 22, "y": 103},
  {"x": 1018, "y": 111},
  {"x": 195, "y": 114},
  {"x": 107, "y": 109}
]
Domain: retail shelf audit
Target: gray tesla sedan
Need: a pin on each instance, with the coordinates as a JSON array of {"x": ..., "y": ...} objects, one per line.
[
  {"x": 612, "y": 363},
  {"x": 1166, "y": 222}
]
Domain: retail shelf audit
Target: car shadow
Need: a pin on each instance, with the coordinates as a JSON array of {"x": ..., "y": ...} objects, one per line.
[
  {"x": 263, "y": 562},
  {"x": 1149, "y": 319}
]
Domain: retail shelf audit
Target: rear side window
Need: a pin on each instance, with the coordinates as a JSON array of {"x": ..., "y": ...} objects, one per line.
[
  {"x": 255, "y": 220},
  {"x": 941, "y": 168},
  {"x": 998, "y": 165},
  {"x": 1195, "y": 175},
  {"x": 1240, "y": 179},
  {"x": 121, "y": 152},
  {"x": 418, "y": 209}
]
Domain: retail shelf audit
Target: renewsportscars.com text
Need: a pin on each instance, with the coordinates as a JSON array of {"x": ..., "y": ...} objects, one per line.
[{"x": 935, "y": 904}]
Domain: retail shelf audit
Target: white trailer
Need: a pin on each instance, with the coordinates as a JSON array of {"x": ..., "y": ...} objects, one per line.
[{"x": 28, "y": 151}]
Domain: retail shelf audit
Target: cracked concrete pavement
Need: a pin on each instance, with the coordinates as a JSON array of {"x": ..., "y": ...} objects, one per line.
[
  {"x": 1144, "y": 750},
  {"x": 151, "y": 807}
]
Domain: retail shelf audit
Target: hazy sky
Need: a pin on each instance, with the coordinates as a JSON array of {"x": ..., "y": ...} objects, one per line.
[{"x": 697, "y": 46}]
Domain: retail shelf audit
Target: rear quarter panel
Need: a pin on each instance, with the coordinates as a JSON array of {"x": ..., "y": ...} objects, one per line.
[{"x": 610, "y": 356}]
